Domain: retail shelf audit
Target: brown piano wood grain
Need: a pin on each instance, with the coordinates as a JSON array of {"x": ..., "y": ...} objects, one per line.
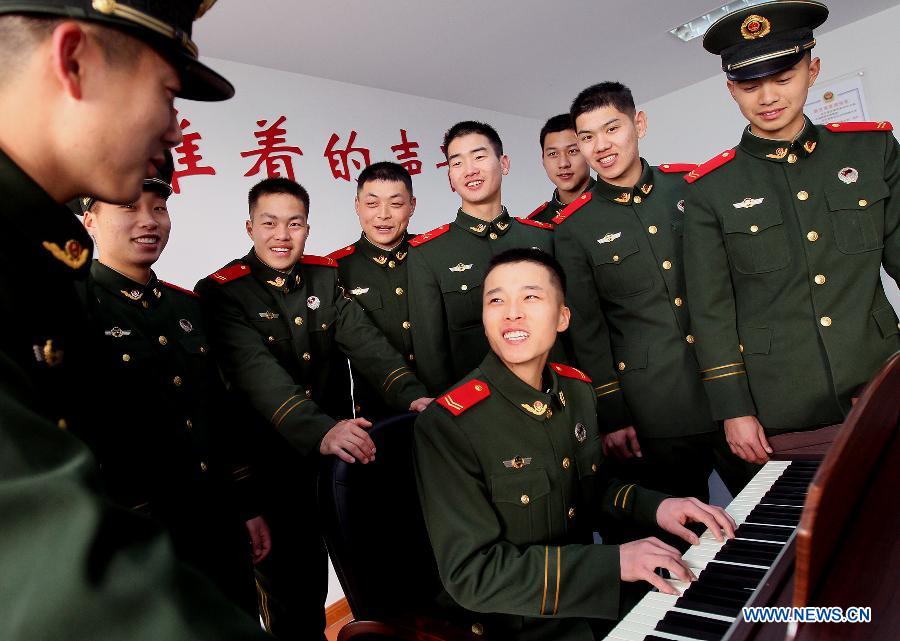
[{"x": 811, "y": 445}]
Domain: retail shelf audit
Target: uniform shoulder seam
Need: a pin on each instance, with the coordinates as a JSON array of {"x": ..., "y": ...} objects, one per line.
[{"x": 572, "y": 207}]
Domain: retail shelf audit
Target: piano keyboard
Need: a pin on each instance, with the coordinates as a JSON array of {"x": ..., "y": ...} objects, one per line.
[{"x": 767, "y": 512}]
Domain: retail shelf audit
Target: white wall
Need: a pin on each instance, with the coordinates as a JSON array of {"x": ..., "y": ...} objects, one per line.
[
  {"x": 695, "y": 123},
  {"x": 208, "y": 215}
]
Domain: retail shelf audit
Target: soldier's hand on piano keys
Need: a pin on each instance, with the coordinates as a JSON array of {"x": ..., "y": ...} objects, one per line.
[
  {"x": 747, "y": 439},
  {"x": 673, "y": 514},
  {"x": 639, "y": 560}
]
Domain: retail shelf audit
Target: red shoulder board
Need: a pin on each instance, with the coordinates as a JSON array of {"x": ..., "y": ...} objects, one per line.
[
  {"x": 337, "y": 254},
  {"x": 467, "y": 395},
  {"x": 713, "y": 163},
  {"x": 535, "y": 223},
  {"x": 570, "y": 372},
  {"x": 849, "y": 127},
  {"x": 180, "y": 289},
  {"x": 421, "y": 239},
  {"x": 677, "y": 168},
  {"x": 572, "y": 207},
  {"x": 325, "y": 261},
  {"x": 228, "y": 274},
  {"x": 540, "y": 208}
]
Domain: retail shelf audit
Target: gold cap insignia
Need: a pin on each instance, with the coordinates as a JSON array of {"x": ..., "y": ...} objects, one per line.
[{"x": 755, "y": 27}]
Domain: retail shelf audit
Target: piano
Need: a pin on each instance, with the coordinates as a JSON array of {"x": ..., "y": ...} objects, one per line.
[{"x": 819, "y": 527}]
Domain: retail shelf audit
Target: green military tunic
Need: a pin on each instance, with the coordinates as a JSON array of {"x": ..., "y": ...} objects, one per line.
[
  {"x": 512, "y": 485},
  {"x": 545, "y": 212},
  {"x": 377, "y": 280},
  {"x": 276, "y": 335},
  {"x": 445, "y": 273},
  {"x": 72, "y": 566},
  {"x": 783, "y": 244},
  {"x": 621, "y": 250},
  {"x": 167, "y": 439}
]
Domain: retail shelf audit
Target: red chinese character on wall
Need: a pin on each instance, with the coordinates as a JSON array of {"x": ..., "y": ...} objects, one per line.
[
  {"x": 272, "y": 150},
  {"x": 339, "y": 159},
  {"x": 187, "y": 154},
  {"x": 406, "y": 156},
  {"x": 446, "y": 163}
]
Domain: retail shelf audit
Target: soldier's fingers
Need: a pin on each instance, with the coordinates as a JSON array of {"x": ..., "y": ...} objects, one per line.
[
  {"x": 763, "y": 441},
  {"x": 699, "y": 515},
  {"x": 722, "y": 518},
  {"x": 360, "y": 422},
  {"x": 362, "y": 437},
  {"x": 657, "y": 543},
  {"x": 683, "y": 533},
  {"x": 755, "y": 449},
  {"x": 676, "y": 567},
  {"x": 631, "y": 437},
  {"x": 343, "y": 455},
  {"x": 657, "y": 582}
]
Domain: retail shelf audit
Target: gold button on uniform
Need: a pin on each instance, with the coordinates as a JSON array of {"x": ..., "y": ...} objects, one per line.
[
  {"x": 203, "y": 349},
  {"x": 126, "y": 357},
  {"x": 478, "y": 629},
  {"x": 820, "y": 279},
  {"x": 754, "y": 229},
  {"x": 493, "y": 236},
  {"x": 812, "y": 236},
  {"x": 464, "y": 287},
  {"x": 652, "y": 229},
  {"x": 689, "y": 338},
  {"x": 309, "y": 395},
  {"x": 792, "y": 158},
  {"x": 593, "y": 467},
  {"x": 145, "y": 304},
  {"x": 571, "y": 512},
  {"x": 163, "y": 340},
  {"x": 667, "y": 264},
  {"x": 399, "y": 291},
  {"x": 61, "y": 424},
  {"x": 406, "y": 324},
  {"x": 863, "y": 202},
  {"x": 826, "y": 321},
  {"x": 566, "y": 463},
  {"x": 621, "y": 367},
  {"x": 802, "y": 195},
  {"x": 637, "y": 200},
  {"x": 525, "y": 499},
  {"x": 324, "y": 325},
  {"x": 741, "y": 348},
  {"x": 189, "y": 424},
  {"x": 271, "y": 339},
  {"x": 616, "y": 259},
  {"x": 678, "y": 301},
  {"x": 392, "y": 264},
  {"x": 298, "y": 321},
  {"x": 306, "y": 356},
  {"x": 203, "y": 466},
  {"x": 177, "y": 381}
]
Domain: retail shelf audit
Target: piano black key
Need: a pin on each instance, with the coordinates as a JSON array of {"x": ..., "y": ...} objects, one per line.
[
  {"x": 693, "y": 626},
  {"x": 708, "y": 606},
  {"x": 762, "y": 533},
  {"x": 717, "y": 593},
  {"x": 722, "y": 569}
]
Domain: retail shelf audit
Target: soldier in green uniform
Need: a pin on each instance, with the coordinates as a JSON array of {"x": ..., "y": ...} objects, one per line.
[
  {"x": 447, "y": 264},
  {"x": 373, "y": 269},
  {"x": 565, "y": 166},
  {"x": 281, "y": 319},
  {"x": 167, "y": 440},
  {"x": 512, "y": 479},
  {"x": 784, "y": 238},
  {"x": 87, "y": 92},
  {"x": 620, "y": 244}
]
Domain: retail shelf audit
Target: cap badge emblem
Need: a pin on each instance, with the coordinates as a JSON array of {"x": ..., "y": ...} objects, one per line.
[{"x": 755, "y": 27}]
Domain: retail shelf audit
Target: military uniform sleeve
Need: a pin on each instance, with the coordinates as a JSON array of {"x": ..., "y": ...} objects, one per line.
[
  {"x": 589, "y": 332},
  {"x": 373, "y": 356},
  {"x": 431, "y": 342},
  {"x": 74, "y": 567},
  {"x": 713, "y": 317},
  {"x": 891, "y": 255},
  {"x": 484, "y": 572},
  {"x": 254, "y": 372}
]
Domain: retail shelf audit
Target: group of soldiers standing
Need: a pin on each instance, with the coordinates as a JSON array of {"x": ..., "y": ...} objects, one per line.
[{"x": 706, "y": 308}]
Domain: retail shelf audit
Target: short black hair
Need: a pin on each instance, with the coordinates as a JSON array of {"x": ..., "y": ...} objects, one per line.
[
  {"x": 467, "y": 127},
  {"x": 562, "y": 122},
  {"x": 530, "y": 255},
  {"x": 604, "y": 94},
  {"x": 385, "y": 171},
  {"x": 278, "y": 185}
]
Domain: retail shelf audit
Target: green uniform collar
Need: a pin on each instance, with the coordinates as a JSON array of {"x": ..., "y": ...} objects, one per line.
[
  {"x": 282, "y": 281},
  {"x": 557, "y": 204},
  {"x": 782, "y": 150},
  {"x": 539, "y": 405},
  {"x": 120, "y": 285},
  {"x": 48, "y": 230},
  {"x": 624, "y": 195},
  {"x": 497, "y": 227},
  {"x": 384, "y": 257}
]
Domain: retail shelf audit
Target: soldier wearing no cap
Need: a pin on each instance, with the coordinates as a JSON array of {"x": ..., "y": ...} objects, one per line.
[{"x": 784, "y": 238}]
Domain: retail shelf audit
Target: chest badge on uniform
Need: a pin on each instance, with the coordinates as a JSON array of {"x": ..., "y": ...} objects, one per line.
[
  {"x": 74, "y": 254},
  {"x": 538, "y": 408},
  {"x": 848, "y": 175},
  {"x": 359, "y": 290},
  {"x": 313, "y": 302},
  {"x": 480, "y": 227},
  {"x": 747, "y": 203},
  {"x": 381, "y": 260},
  {"x": 401, "y": 255},
  {"x": 134, "y": 294},
  {"x": 680, "y": 206},
  {"x": 117, "y": 332},
  {"x": 460, "y": 268},
  {"x": 518, "y": 462},
  {"x": 268, "y": 315},
  {"x": 609, "y": 238},
  {"x": 48, "y": 354},
  {"x": 185, "y": 324},
  {"x": 809, "y": 146},
  {"x": 278, "y": 282},
  {"x": 580, "y": 433}
]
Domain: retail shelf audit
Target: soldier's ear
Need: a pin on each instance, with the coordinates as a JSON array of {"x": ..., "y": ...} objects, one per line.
[
  {"x": 640, "y": 123},
  {"x": 412, "y": 205},
  {"x": 815, "y": 65},
  {"x": 565, "y": 315},
  {"x": 248, "y": 225},
  {"x": 504, "y": 164},
  {"x": 69, "y": 45}
]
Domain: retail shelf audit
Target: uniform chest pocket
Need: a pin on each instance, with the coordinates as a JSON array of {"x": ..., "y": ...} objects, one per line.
[
  {"x": 370, "y": 300},
  {"x": 522, "y": 501},
  {"x": 132, "y": 354},
  {"x": 462, "y": 296},
  {"x": 273, "y": 331},
  {"x": 756, "y": 238},
  {"x": 194, "y": 344},
  {"x": 620, "y": 267},
  {"x": 857, "y": 216},
  {"x": 588, "y": 460},
  {"x": 322, "y": 326}
]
